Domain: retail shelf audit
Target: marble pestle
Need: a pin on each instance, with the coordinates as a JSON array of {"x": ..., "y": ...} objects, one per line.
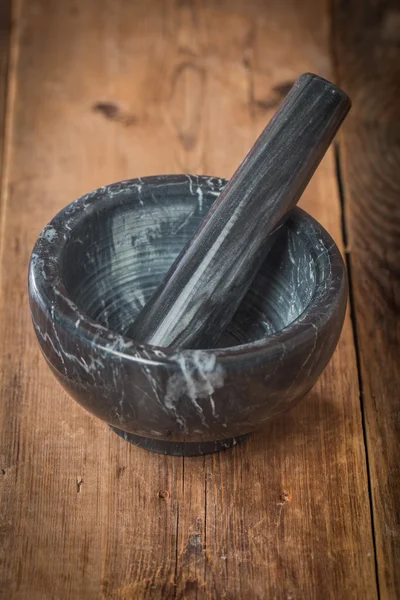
[{"x": 202, "y": 290}]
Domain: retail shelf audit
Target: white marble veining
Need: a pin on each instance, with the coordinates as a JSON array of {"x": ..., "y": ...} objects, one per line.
[{"x": 98, "y": 262}]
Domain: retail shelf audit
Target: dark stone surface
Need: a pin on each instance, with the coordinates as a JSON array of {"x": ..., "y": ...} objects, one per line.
[
  {"x": 178, "y": 448},
  {"x": 205, "y": 285},
  {"x": 99, "y": 260}
]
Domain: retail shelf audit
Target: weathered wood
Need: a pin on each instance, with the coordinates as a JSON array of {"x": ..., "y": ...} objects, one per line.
[
  {"x": 366, "y": 39},
  {"x": 107, "y": 90},
  {"x": 5, "y": 42}
]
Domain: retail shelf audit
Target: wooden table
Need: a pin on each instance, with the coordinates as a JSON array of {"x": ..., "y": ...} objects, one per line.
[{"x": 94, "y": 91}]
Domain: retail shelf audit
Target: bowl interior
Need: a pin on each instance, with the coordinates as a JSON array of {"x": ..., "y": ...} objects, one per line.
[{"x": 113, "y": 263}]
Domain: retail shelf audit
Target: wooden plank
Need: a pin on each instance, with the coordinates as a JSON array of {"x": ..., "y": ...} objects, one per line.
[
  {"x": 107, "y": 90},
  {"x": 81, "y": 511},
  {"x": 5, "y": 40},
  {"x": 368, "y": 67}
]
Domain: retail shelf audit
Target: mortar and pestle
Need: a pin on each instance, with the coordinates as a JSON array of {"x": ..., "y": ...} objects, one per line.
[{"x": 186, "y": 311}]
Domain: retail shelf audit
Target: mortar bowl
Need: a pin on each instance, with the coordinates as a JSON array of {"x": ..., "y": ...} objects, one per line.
[{"x": 99, "y": 260}]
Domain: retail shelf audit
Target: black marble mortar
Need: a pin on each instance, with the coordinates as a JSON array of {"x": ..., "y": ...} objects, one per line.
[{"x": 100, "y": 259}]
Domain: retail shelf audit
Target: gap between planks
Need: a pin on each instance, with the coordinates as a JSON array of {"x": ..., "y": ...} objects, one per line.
[{"x": 353, "y": 319}]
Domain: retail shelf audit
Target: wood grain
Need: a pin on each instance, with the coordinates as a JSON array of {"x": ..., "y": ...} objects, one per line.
[
  {"x": 5, "y": 42},
  {"x": 106, "y": 90},
  {"x": 368, "y": 67}
]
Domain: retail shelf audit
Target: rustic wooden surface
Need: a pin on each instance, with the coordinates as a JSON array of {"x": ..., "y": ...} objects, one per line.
[
  {"x": 102, "y": 90},
  {"x": 368, "y": 66},
  {"x": 5, "y": 22}
]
